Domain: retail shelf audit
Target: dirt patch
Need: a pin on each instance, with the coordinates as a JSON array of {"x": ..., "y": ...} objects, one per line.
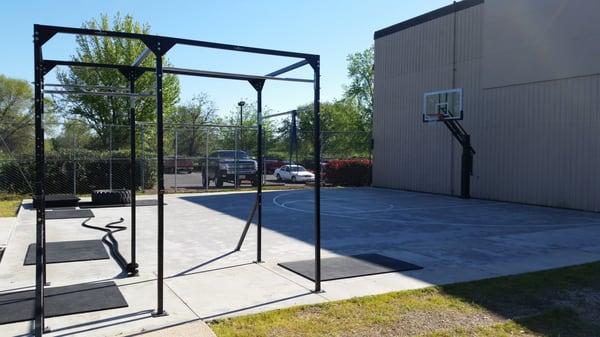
[{"x": 424, "y": 322}]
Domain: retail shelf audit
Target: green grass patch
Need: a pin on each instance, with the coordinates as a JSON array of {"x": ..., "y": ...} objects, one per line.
[
  {"x": 559, "y": 302},
  {"x": 9, "y": 205}
]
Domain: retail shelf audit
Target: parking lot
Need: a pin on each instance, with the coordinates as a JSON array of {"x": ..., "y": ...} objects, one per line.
[{"x": 193, "y": 181}]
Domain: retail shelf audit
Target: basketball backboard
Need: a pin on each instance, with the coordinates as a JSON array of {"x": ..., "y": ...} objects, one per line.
[{"x": 442, "y": 105}]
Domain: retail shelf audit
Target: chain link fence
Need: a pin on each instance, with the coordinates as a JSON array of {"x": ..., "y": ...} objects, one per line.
[{"x": 81, "y": 157}]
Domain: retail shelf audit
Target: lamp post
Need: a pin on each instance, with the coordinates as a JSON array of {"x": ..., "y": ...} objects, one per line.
[{"x": 241, "y": 105}]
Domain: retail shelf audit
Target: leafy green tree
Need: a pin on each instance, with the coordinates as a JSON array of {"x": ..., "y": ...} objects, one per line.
[
  {"x": 360, "y": 90},
  {"x": 340, "y": 136},
  {"x": 224, "y": 138},
  {"x": 73, "y": 136},
  {"x": 189, "y": 121},
  {"x": 101, "y": 111},
  {"x": 16, "y": 116}
]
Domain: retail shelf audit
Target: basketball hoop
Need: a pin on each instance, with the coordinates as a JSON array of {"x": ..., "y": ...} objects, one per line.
[{"x": 442, "y": 105}]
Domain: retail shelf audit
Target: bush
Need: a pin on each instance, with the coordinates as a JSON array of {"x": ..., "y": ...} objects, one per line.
[
  {"x": 92, "y": 172},
  {"x": 348, "y": 172}
]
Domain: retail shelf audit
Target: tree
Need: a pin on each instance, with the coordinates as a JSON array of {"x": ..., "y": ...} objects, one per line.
[
  {"x": 340, "y": 136},
  {"x": 101, "y": 111},
  {"x": 16, "y": 115},
  {"x": 360, "y": 90},
  {"x": 224, "y": 138},
  {"x": 189, "y": 120},
  {"x": 73, "y": 136}
]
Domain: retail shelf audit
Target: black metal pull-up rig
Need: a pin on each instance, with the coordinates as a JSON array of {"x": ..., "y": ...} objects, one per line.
[{"x": 159, "y": 46}]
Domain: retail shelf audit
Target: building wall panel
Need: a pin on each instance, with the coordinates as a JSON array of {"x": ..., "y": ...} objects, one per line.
[{"x": 536, "y": 142}]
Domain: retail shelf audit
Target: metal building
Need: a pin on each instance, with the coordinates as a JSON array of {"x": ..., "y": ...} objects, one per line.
[{"x": 530, "y": 73}]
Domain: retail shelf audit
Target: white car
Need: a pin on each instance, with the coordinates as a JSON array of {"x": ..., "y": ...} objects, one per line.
[{"x": 293, "y": 173}]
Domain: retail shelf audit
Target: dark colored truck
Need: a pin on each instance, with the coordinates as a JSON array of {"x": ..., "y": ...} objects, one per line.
[{"x": 222, "y": 168}]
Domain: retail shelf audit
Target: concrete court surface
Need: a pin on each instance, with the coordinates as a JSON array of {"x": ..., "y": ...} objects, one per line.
[{"x": 453, "y": 239}]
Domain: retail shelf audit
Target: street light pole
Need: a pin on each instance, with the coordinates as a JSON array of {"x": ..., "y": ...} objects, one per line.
[{"x": 241, "y": 105}]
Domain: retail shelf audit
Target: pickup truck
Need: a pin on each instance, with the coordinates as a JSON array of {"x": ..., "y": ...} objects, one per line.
[{"x": 222, "y": 168}]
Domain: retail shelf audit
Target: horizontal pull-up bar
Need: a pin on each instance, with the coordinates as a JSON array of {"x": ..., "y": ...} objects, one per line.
[
  {"x": 181, "y": 71},
  {"x": 52, "y": 63},
  {"x": 84, "y": 86},
  {"x": 51, "y": 30},
  {"x": 229, "y": 76},
  {"x": 280, "y": 114},
  {"x": 99, "y": 93}
]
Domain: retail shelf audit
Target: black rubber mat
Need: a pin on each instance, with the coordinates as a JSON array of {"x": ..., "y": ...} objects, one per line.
[
  {"x": 138, "y": 203},
  {"x": 69, "y": 251},
  {"x": 60, "y": 301},
  {"x": 334, "y": 268},
  {"x": 69, "y": 214},
  {"x": 58, "y": 200}
]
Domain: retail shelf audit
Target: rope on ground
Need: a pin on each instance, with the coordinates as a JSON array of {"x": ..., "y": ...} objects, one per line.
[{"x": 109, "y": 240}]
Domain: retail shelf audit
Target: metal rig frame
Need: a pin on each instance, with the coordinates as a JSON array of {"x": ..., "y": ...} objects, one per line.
[{"x": 159, "y": 46}]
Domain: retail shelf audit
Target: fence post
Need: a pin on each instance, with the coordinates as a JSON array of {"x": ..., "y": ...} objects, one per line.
[
  {"x": 235, "y": 178},
  {"x": 110, "y": 182},
  {"x": 143, "y": 158},
  {"x": 175, "y": 160},
  {"x": 206, "y": 162},
  {"x": 371, "y": 145},
  {"x": 264, "y": 165},
  {"x": 74, "y": 165}
]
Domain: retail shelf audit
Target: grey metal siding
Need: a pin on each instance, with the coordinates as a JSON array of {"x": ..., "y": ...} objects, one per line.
[{"x": 536, "y": 143}]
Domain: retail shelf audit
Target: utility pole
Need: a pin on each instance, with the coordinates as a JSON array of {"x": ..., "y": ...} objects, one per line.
[{"x": 241, "y": 105}]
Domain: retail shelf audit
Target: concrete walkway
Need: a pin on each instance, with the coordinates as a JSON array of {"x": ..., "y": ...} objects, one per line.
[{"x": 7, "y": 225}]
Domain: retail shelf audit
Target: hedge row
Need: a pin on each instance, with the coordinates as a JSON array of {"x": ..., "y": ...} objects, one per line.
[
  {"x": 18, "y": 176},
  {"x": 348, "y": 172}
]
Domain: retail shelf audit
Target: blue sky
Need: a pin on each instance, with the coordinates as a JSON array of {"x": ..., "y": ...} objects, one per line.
[{"x": 333, "y": 29}]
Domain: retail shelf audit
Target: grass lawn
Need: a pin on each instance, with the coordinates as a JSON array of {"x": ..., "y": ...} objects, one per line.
[
  {"x": 9, "y": 205},
  {"x": 559, "y": 303}
]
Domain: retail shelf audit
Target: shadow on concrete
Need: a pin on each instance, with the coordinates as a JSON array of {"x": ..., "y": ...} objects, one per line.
[
  {"x": 467, "y": 235},
  {"x": 256, "y": 306},
  {"x": 205, "y": 263},
  {"x": 112, "y": 321},
  {"x": 186, "y": 273}
]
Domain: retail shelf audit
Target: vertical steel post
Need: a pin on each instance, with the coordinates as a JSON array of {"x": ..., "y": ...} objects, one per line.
[
  {"x": 259, "y": 173},
  {"x": 161, "y": 182},
  {"x": 143, "y": 158},
  {"x": 133, "y": 266},
  {"x": 317, "y": 162},
  {"x": 467, "y": 168},
  {"x": 110, "y": 170},
  {"x": 40, "y": 224}
]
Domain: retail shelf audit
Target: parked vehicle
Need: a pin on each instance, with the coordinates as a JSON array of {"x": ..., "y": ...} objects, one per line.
[
  {"x": 294, "y": 173},
  {"x": 183, "y": 165},
  {"x": 222, "y": 168}
]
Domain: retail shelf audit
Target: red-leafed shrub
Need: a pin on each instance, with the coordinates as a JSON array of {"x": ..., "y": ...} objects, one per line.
[{"x": 348, "y": 172}]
